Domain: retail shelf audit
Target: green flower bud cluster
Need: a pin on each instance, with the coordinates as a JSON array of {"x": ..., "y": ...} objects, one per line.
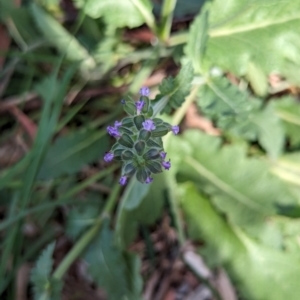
[{"x": 139, "y": 143}]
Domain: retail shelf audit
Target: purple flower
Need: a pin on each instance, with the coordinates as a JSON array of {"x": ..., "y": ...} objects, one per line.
[
  {"x": 175, "y": 129},
  {"x": 123, "y": 101},
  {"x": 113, "y": 131},
  {"x": 149, "y": 125},
  {"x": 149, "y": 180},
  {"x": 139, "y": 106},
  {"x": 144, "y": 91},
  {"x": 163, "y": 154},
  {"x": 118, "y": 124},
  {"x": 123, "y": 180},
  {"x": 108, "y": 157},
  {"x": 166, "y": 164}
]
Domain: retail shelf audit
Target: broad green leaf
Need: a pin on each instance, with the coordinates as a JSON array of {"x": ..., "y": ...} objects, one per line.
[
  {"x": 70, "y": 153},
  {"x": 197, "y": 40},
  {"x": 116, "y": 13},
  {"x": 240, "y": 186},
  {"x": 151, "y": 201},
  {"x": 60, "y": 38},
  {"x": 288, "y": 168},
  {"x": 241, "y": 115},
  {"x": 260, "y": 272},
  {"x": 245, "y": 33},
  {"x": 113, "y": 270},
  {"x": 176, "y": 89},
  {"x": 288, "y": 110},
  {"x": 44, "y": 287}
]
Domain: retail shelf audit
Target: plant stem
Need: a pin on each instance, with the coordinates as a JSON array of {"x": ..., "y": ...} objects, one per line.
[
  {"x": 87, "y": 237},
  {"x": 170, "y": 178},
  {"x": 178, "y": 39},
  {"x": 166, "y": 19},
  {"x": 146, "y": 13}
]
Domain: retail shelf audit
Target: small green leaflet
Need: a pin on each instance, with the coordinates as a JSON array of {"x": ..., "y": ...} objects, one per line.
[
  {"x": 45, "y": 288},
  {"x": 176, "y": 89}
]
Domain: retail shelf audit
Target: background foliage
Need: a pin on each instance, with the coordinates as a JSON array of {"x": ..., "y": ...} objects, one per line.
[{"x": 233, "y": 191}]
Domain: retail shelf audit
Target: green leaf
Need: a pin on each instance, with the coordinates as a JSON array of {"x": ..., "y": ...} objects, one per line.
[
  {"x": 197, "y": 40},
  {"x": 260, "y": 272},
  {"x": 270, "y": 131},
  {"x": 81, "y": 218},
  {"x": 240, "y": 186},
  {"x": 220, "y": 99},
  {"x": 146, "y": 211},
  {"x": 176, "y": 89},
  {"x": 70, "y": 153},
  {"x": 44, "y": 287},
  {"x": 110, "y": 49},
  {"x": 258, "y": 79},
  {"x": 113, "y": 270},
  {"x": 288, "y": 169},
  {"x": 241, "y": 115},
  {"x": 245, "y": 32},
  {"x": 288, "y": 110},
  {"x": 59, "y": 37},
  {"x": 116, "y": 13}
]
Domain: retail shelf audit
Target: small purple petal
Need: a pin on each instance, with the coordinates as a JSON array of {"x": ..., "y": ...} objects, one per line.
[
  {"x": 123, "y": 101},
  {"x": 113, "y": 131},
  {"x": 166, "y": 164},
  {"x": 118, "y": 124},
  {"x": 123, "y": 180},
  {"x": 139, "y": 106},
  {"x": 175, "y": 129},
  {"x": 144, "y": 91},
  {"x": 149, "y": 180},
  {"x": 163, "y": 154},
  {"x": 108, "y": 157},
  {"x": 148, "y": 125}
]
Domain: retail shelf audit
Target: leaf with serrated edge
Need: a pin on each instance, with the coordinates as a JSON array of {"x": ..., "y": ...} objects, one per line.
[
  {"x": 176, "y": 89},
  {"x": 241, "y": 115},
  {"x": 241, "y": 187},
  {"x": 44, "y": 287},
  {"x": 260, "y": 272}
]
